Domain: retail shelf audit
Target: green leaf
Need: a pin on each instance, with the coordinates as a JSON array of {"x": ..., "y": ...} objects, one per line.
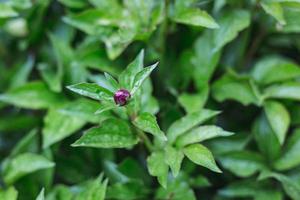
[
  {"x": 74, "y": 4},
  {"x": 7, "y": 11},
  {"x": 52, "y": 79},
  {"x": 41, "y": 195},
  {"x": 279, "y": 119},
  {"x": 178, "y": 189},
  {"x": 85, "y": 109},
  {"x": 187, "y": 122},
  {"x": 129, "y": 190},
  {"x": 28, "y": 143},
  {"x": 200, "y": 134},
  {"x": 93, "y": 190},
  {"x": 291, "y": 187},
  {"x": 288, "y": 90},
  {"x": 126, "y": 78},
  {"x": 273, "y": 69},
  {"x": 242, "y": 163},
  {"x": 116, "y": 42},
  {"x": 92, "y": 90},
  {"x": 112, "y": 81},
  {"x": 157, "y": 167},
  {"x": 58, "y": 126},
  {"x": 200, "y": 155},
  {"x": 22, "y": 75},
  {"x": 96, "y": 21},
  {"x": 223, "y": 145},
  {"x": 105, "y": 106},
  {"x": 33, "y": 95},
  {"x": 112, "y": 133},
  {"x": 230, "y": 25},
  {"x": 147, "y": 122},
  {"x": 291, "y": 15},
  {"x": 10, "y": 194},
  {"x": 64, "y": 56},
  {"x": 266, "y": 139},
  {"x": 290, "y": 156},
  {"x": 174, "y": 159},
  {"x": 235, "y": 87},
  {"x": 249, "y": 188},
  {"x": 141, "y": 77},
  {"x": 24, "y": 164},
  {"x": 92, "y": 55},
  {"x": 274, "y": 9},
  {"x": 146, "y": 16},
  {"x": 195, "y": 17},
  {"x": 205, "y": 60},
  {"x": 193, "y": 102}
]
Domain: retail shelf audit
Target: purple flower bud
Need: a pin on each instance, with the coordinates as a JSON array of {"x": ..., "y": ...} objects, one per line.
[{"x": 121, "y": 97}]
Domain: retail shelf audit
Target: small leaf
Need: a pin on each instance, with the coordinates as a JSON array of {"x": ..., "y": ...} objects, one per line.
[
  {"x": 274, "y": 69},
  {"x": 24, "y": 164},
  {"x": 195, "y": 17},
  {"x": 230, "y": 25},
  {"x": 174, "y": 159},
  {"x": 200, "y": 155},
  {"x": 189, "y": 121},
  {"x": 33, "y": 95},
  {"x": 290, "y": 156},
  {"x": 84, "y": 109},
  {"x": 91, "y": 90},
  {"x": 274, "y": 9},
  {"x": 28, "y": 143},
  {"x": 112, "y": 133},
  {"x": 279, "y": 119},
  {"x": 178, "y": 189},
  {"x": 193, "y": 102},
  {"x": 41, "y": 195},
  {"x": 242, "y": 163},
  {"x": 93, "y": 21},
  {"x": 93, "y": 189},
  {"x": 64, "y": 56},
  {"x": 288, "y": 90},
  {"x": 141, "y": 77},
  {"x": 157, "y": 167},
  {"x": 147, "y": 122},
  {"x": 112, "y": 81},
  {"x": 266, "y": 139},
  {"x": 200, "y": 134},
  {"x": 223, "y": 145},
  {"x": 291, "y": 15},
  {"x": 241, "y": 89},
  {"x": 105, "y": 107},
  {"x": 126, "y": 78},
  {"x": 52, "y": 79},
  {"x": 205, "y": 60},
  {"x": 22, "y": 75},
  {"x": 291, "y": 187}
]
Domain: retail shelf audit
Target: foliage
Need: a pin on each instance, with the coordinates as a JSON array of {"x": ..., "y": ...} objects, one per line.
[{"x": 211, "y": 109}]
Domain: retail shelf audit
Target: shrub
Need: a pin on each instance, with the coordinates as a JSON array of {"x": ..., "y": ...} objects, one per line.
[{"x": 81, "y": 119}]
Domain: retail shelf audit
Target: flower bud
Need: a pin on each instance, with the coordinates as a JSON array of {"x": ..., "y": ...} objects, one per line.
[{"x": 121, "y": 97}]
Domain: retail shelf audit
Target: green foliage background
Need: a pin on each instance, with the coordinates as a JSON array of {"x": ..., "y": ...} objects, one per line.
[{"x": 218, "y": 118}]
